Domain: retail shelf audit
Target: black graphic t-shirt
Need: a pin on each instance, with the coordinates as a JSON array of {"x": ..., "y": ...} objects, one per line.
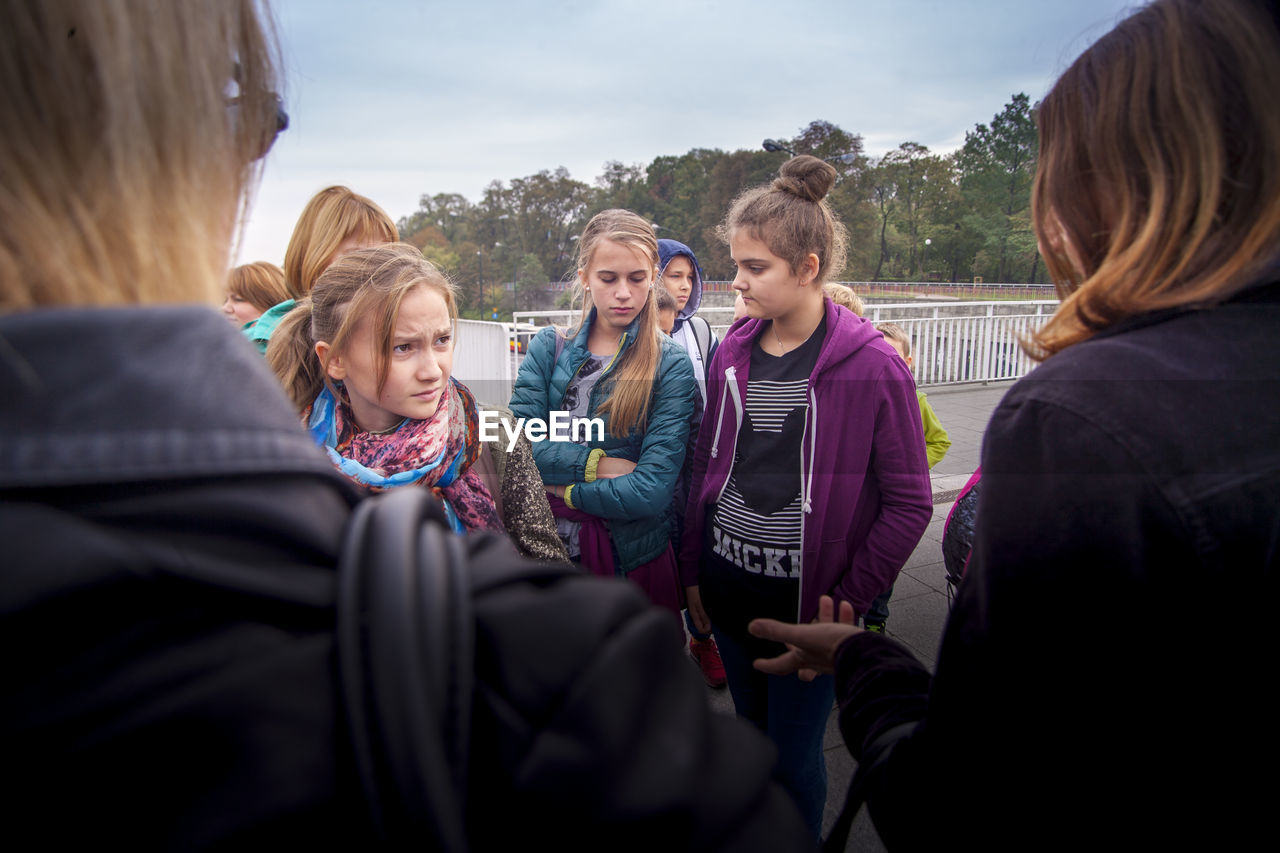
[{"x": 751, "y": 549}]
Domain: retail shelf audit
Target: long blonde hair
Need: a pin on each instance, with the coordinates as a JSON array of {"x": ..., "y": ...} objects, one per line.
[
  {"x": 129, "y": 133},
  {"x": 1157, "y": 184},
  {"x": 331, "y": 217},
  {"x": 366, "y": 285},
  {"x": 627, "y": 406}
]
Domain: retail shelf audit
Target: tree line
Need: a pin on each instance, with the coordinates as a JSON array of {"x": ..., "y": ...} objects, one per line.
[{"x": 912, "y": 214}]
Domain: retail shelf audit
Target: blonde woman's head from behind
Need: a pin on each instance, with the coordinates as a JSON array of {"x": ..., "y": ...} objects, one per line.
[{"x": 131, "y": 134}]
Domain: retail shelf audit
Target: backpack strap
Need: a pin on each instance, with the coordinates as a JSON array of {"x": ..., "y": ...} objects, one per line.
[
  {"x": 702, "y": 335},
  {"x": 406, "y": 655}
]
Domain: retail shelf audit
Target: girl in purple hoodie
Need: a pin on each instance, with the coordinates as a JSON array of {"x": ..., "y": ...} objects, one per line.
[{"x": 810, "y": 476}]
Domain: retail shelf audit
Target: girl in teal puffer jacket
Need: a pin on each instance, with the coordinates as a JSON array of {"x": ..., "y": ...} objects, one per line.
[{"x": 611, "y": 488}]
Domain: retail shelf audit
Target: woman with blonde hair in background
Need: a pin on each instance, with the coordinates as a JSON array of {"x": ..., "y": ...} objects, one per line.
[
  {"x": 334, "y": 222},
  {"x": 1130, "y": 488},
  {"x": 168, "y": 596}
]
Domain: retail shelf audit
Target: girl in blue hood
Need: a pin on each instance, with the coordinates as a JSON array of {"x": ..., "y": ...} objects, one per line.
[{"x": 786, "y": 506}]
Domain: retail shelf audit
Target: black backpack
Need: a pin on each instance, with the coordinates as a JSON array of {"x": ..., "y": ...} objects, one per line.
[
  {"x": 406, "y": 659},
  {"x": 958, "y": 533}
]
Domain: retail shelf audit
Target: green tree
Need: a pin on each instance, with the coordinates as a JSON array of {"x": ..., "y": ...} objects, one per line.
[
  {"x": 530, "y": 278},
  {"x": 677, "y": 188},
  {"x": 882, "y": 183},
  {"x": 996, "y": 167},
  {"x": 730, "y": 175},
  {"x": 624, "y": 187},
  {"x": 451, "y": 213}
]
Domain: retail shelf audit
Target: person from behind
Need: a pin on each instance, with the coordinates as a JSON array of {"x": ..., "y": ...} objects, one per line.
[
  {"x": 172, "y": 535},
  {"x": 1134, "y": 467},
  {"x": 368, "y": 359},
  {"x": 809, "y": 477},
  {"x": 251, "y": 290},
  {"x": 334, "y": 222}
]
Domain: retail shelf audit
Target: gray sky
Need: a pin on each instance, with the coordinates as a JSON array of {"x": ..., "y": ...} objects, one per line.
[{"x": 401, "y": 98}]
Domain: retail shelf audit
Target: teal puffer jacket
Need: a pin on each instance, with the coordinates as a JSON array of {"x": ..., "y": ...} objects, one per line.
[{"x": 637, "y": 506}]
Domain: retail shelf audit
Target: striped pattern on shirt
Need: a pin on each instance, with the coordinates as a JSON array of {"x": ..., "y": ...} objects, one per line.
[{"x": 767, "y": 405}]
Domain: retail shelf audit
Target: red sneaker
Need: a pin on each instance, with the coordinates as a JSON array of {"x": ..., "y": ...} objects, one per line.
[{"x": 708, "y": 658}]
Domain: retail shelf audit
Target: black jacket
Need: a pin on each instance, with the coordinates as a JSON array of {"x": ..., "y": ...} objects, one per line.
[
  {"x": 167, "y": 610},
  {"x": 1103, "y": 680}
]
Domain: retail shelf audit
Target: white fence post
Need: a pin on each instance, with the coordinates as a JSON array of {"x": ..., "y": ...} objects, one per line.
[{"x": 482, "y": 360}]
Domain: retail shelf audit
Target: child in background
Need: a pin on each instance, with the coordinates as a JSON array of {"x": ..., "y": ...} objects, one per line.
[
  {"x": 367, "y": 359},
  {"x": 843, "y": 294},
  {"x": 334, "y": 222},
  {"x": 682, "y": 278},
  {"x": 809, "y": 477},
  {"x": 667, "y": 309},
  {"x": 612, "y": 494},
  {"x": 936, "y": 442},
  {"x": 252, "y": 289}
]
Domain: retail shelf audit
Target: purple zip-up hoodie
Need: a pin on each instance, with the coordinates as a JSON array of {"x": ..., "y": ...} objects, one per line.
[{"x": 864, "y": 475}]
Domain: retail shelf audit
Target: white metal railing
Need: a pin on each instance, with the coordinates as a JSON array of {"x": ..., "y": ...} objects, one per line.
[
  {"x": 943, "y": 289},
  {"x": 951, "y": 342},
  {"x": 482, "y": 360},
  {"x": 564, "y": 318}
]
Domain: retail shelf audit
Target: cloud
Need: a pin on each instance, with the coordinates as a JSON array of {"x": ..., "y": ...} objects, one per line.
[{"x": 400, "y": 98}]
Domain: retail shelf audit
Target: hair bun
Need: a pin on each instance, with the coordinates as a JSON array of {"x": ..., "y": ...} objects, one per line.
[{"x": 806, "y": 177}]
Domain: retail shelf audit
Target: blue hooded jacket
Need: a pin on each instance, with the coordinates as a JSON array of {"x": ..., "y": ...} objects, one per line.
[
  {"x": 688, "y": 326},
  {"x": 668, "y": 249}
]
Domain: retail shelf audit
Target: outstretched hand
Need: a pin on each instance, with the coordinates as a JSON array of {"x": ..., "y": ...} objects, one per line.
[{"x": 811, "y": 649}]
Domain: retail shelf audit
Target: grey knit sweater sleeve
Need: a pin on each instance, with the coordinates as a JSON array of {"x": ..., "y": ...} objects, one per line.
[{"x": 527, "y": 514}]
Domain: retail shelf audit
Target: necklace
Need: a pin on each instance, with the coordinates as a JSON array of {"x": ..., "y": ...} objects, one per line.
[{"x": 783, "y": 349}]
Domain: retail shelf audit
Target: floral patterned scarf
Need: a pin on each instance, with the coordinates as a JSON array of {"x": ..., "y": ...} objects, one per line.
[{"x": 437, "y": 452}]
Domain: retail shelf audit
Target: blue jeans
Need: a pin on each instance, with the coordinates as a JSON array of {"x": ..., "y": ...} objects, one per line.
[
  {"x": 793, "y": 713},
  {"x": 693, "y": 629},
  {"x": 879, "y": 609}
]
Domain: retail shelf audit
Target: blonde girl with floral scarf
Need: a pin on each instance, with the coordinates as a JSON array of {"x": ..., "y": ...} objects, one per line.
[{"x": 367, "y": 359}]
